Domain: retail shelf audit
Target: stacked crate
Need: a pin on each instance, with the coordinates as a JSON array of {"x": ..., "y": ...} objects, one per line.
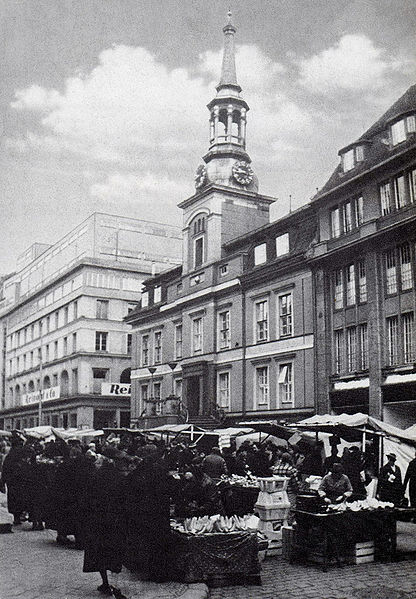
[{"x": 273, "y": 507}]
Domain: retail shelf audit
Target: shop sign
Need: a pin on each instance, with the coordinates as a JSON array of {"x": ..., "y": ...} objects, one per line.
[
  {"x": 116, "y": 389},
  {"x": 47, "y": 395}
]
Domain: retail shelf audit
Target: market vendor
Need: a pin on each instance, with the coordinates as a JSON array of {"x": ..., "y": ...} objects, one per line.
[
  {"x": 335, "y": 486},
  {"x": 390, "y": 481}
]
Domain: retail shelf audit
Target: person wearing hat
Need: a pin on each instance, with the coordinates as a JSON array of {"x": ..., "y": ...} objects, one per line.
[
  {"x": 410, "y": 477},
  {"x": 390, "y": 486}
]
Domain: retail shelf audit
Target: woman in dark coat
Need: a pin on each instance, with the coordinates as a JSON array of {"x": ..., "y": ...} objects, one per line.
[
  {"x": 148, "y": 512},
  {"x": 410, "y": 477},
  {"x": 13, "y": 475},
  {"x": 105, "y": 522}
]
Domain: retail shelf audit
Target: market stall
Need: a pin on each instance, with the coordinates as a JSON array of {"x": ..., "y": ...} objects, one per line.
[
  {"x": 239, "y": 494},
  {"x": 218, "y": 550}
]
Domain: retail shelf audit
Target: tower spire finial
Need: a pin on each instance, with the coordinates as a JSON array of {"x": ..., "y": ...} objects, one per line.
[{"x": 228, "y": 70}]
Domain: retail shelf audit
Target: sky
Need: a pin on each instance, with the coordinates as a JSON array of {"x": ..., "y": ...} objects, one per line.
[{"x": 103, "y": 102}]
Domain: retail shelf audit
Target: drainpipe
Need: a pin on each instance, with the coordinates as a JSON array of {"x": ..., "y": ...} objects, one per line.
[{"x": 243, "y": 342}]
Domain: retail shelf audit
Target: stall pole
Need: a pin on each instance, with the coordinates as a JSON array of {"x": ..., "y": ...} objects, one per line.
[
  {"x": 364, "y": 439},
  {"x": 192, "y": 433}
]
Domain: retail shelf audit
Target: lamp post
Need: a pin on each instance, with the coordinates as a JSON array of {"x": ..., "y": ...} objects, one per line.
[{"x": 152, "y": 370}]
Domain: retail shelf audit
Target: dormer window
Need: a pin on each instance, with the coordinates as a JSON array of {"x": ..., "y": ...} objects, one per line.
[
  {"x": 145, "y": 299},
  {"x": 351, "y": 157},
  {"x": 260, "y": 254},
  {"x": 282, "y": 245},
  {"x": 157, "y": 294},
  {"x": 400, "y": 129}
]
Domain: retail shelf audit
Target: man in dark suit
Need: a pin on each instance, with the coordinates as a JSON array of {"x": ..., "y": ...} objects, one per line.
[
  {"x": 390, "y": 481},
  {"x": 410, "y": 477}
]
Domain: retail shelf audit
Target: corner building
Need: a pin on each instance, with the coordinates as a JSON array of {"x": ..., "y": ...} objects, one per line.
[
  {"x": 230, "y": 332},
  {"x": 364, "y": 273},
  {"x": 62, "y": 332}
]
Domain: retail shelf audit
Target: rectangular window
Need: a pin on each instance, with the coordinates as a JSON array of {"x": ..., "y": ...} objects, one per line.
[
  {"x": 385, "y": 198},
  {"x": 31, "y": 358},
  {"x": 362, "y": 282},
  {"x": 362, "y": 329},
  {"x": 285, "y": 382},
  {"x": 260, "y": 254},
  {"x": 338, "y": 351},
  {"x": 408, "y": 337},
  {"x": 157, "y": 396},
  {"x": 157, "y": 349},
  {"x": 412, "y": 186},
  {"x": 65, "y": 346},
  {"x": 282, "y": 244},
  {"x": 399, "y": 192},
  {"x": 391, "y": 273},
  {"x": 338, "y": 289},
  {"x": 262, "y": 387},
  {"x": 46, "y": 354},
  {"x": 411, "y": 123},
  {"x": 55, "y": 350},
  {"x": 198, "y": 251},
  {"x": 102, "y": 309},
  {"x": 351, "y": 349},
  {"x": 129, "y": 342},
  {"x": 224, "y": 330},
  {"x": 145, "y": 350},
  {"x": 55, "y": 380},
  {"x": 101, "y": 341},
  {"x": 56, "y": 322},
  {"x": 197, "y": 335},
  {"x": 347, "y": 217},
  {"x": 73, "y": 420},
  {"x": 392, "y": 340},
  {"x": 398, "y": 132},
  {"x": 145, "y": 299},
  {"x": 74, "y": 313},
  {"x": 74, "y": 342},
  {"x": 262, "y": 317},
  {"x": 348, "y": 160},
  {"x": 335, "y": 223},
  {"x": 74, "y": 381},
  {"x": 350, "y": 276},
  {"x": 405, "y": 266},
  {"x": 285, "y": 315},
  {"x": 178, "y": 342},
  {"x": 157, "y": 294},
  {"x": 48, "y": 324},
  {"x": 99, "y": 376},
  {"x": 178, "y": 388},
  {"x": 223, "y": 394},
  {"x": 66, "y": 314},
  {"x": 359, "y": 211}
]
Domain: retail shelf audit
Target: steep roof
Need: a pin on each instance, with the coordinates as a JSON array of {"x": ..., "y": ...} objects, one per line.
[{"x": 377, "y": 147}]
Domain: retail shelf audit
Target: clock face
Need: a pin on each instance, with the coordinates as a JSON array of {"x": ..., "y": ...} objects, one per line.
[
  {"x": 242, "y": 172},
  {"x": 200, "y": 176}
]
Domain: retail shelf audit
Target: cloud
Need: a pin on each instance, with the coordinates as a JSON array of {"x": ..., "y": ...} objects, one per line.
[
  {"x": 37, "y": 98},
  {"x": 354, "y": 64}
]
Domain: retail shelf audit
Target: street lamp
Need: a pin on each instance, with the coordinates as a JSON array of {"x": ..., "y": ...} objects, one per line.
[{"x": 152, "y": 370}]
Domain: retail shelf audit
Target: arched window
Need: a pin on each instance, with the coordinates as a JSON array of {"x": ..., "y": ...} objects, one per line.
[
  {"x": 236, "y": 127},
  {"x": 46, "y": 382},
  {"x": 64, "y": 383},
  {"x": 31, "y": 387},
  {"x": 125, "y": 376},
  {"x": 198, "y": 228}
]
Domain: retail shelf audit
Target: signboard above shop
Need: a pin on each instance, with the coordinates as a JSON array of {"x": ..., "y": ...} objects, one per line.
[
  {"x": 47, "y": 395},
  {"x": 116, "y": 389}
]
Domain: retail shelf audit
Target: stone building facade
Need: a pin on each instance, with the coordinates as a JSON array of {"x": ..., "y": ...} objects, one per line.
[
  {"x": 364, "y": 273},
  {"x": 62, "y": 331}
]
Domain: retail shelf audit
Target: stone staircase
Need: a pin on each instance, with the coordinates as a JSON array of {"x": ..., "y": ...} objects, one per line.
[{"x": 206, "y": 422}]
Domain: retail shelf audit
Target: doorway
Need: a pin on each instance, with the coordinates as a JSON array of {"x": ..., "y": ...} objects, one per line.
[{"x": 193, "y": 396}]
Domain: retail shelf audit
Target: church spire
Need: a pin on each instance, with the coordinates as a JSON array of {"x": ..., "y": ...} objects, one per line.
[
  {"x": 228, "y": 70},
  {"x": 227, "y": 162}
]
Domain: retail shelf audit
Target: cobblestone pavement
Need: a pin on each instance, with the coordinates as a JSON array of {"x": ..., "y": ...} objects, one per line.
[
  {"x": 281, "y": 580},
  {"x": 32, "y": 566}
]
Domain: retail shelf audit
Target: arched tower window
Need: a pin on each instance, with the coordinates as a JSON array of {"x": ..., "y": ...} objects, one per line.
[
  {"x": 46, "y": 382},
  {"x": 31, "y": 387},
  {"x": 198, "y": 240}
]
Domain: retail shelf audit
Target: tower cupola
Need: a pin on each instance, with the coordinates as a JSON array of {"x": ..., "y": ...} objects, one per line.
[{"x": 227, "y": 162}]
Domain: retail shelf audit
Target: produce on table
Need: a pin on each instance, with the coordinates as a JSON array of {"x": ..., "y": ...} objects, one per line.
[
  {"x": 215, "y": 524},
  {"x": 357, "y": 506},
  {"x": 241, "y": 481}
]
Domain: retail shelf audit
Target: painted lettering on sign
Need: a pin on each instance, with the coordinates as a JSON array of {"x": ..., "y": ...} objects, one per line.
[{"x": 116, "y": 389}]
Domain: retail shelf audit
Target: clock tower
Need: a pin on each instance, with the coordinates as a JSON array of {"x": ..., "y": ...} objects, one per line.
[{"x": 226, "y": 203}]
